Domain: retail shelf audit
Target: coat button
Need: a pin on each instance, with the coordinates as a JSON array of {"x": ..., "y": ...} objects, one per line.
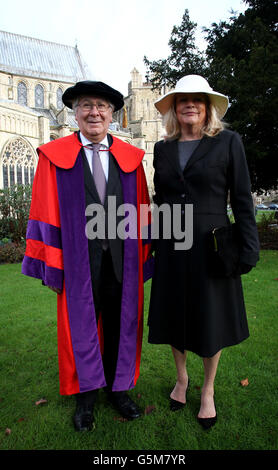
[{"x": 183, "y": 195}]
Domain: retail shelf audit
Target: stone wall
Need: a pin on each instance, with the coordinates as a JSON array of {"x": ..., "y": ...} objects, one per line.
[
  {"x": 144, "y": 121},
  {"x": 9, "y": 89}
]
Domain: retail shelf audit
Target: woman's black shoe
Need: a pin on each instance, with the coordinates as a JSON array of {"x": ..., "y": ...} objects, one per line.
[
  {"x": 178, "y": 405},
  {"x": 207, "y": 423}
]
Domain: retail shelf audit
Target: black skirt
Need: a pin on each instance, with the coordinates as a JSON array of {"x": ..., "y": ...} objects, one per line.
[{"x": 189, "y": 309}]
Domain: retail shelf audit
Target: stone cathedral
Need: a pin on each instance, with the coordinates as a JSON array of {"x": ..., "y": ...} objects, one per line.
[{"x": 33, "y": 76}]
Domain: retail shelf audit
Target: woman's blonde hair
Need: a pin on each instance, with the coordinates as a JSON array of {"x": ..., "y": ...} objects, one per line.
[{"x": 212, "y": 127}]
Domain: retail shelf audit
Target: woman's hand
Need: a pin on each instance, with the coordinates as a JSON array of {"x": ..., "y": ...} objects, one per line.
[{"x": 242, "y": 268}]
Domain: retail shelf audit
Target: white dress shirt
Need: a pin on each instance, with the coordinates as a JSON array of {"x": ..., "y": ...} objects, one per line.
[{"x": 104, "y": 154}]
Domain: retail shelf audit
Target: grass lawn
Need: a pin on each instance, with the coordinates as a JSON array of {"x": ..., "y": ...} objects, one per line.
[{"x": 247, "y": 416}]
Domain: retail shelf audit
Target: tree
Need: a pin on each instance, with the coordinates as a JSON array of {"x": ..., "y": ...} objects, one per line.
[
  {"x": 242, "y": 62},
  {"x": 185, "y": 57}
]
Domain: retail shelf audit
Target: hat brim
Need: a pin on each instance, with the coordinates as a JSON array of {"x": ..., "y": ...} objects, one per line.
[
  {"x": 220, "y": 102},
  {"x": 91, "y": 88}
]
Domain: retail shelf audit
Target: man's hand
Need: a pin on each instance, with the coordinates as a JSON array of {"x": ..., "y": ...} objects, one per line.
[{"x": 57, "y": 291}]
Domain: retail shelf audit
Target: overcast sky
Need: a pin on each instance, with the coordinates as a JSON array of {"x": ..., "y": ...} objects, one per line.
[{"x": 113, "y": 36}]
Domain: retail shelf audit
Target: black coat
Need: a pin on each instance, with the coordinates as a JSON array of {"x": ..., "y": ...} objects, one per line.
[{"x": 189, "y": 309}]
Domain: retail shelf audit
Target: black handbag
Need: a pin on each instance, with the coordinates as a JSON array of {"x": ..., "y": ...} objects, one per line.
[{"x": 223, "y": 251}]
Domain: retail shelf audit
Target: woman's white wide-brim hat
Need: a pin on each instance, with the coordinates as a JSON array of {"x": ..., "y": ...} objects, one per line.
[{"x": 194, "y": 84}]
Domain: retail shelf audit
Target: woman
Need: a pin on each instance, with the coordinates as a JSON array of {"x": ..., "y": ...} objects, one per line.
[{"x": 200, "y": 163}]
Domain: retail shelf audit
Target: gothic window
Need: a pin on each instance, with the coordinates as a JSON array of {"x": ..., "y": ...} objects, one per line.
[
  {"x": 5, "y": 176},
  {"x": 22, "y": 93},
  {"x": 39, "y": 97},
  {"x": 17, "y": 163},
  {"x": 11, "y": 168},
  {"x": 19, "y": 174},
  {"x": 26, "y": 173},
  {"x": 59, "y": 98}
]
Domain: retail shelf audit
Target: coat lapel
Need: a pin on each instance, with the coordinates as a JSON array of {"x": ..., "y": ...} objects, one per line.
[
  {"x": 172, "y": 155},
  {"x": 88, "y": 179},
  {"x": 113, "y": 174},
  {"x": 113, "y": 177},
  {"x": 201, "y": 151}
]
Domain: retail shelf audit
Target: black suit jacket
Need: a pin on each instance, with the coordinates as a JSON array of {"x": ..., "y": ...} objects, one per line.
[
  {"x": 114, "y": 188},
  {"x": 217, "y": 168}
]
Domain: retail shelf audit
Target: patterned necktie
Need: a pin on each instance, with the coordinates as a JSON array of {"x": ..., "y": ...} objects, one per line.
[{"x": 98, "y": 173}]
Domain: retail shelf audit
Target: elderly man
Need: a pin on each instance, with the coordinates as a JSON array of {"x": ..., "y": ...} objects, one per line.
[{"x": 98, "y": 279}]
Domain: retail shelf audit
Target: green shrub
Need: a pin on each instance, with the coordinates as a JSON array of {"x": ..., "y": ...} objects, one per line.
[
  {"x": 266, "y": 220},
  {"x": 12, "y": 252},
  {"x": 268, "y": 231},
  {"x": 14, "y": 212}
]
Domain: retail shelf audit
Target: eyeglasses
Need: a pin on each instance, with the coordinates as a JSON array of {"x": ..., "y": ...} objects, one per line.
[{"x": 101, "y": 107}]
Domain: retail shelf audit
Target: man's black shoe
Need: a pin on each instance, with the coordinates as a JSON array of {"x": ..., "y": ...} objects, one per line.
[
  {"x": 83, "y": 418},
  {"x": 124, "y": 404}
]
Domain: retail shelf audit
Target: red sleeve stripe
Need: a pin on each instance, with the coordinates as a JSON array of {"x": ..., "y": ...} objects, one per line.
[{"x": 51, "y": 256}]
